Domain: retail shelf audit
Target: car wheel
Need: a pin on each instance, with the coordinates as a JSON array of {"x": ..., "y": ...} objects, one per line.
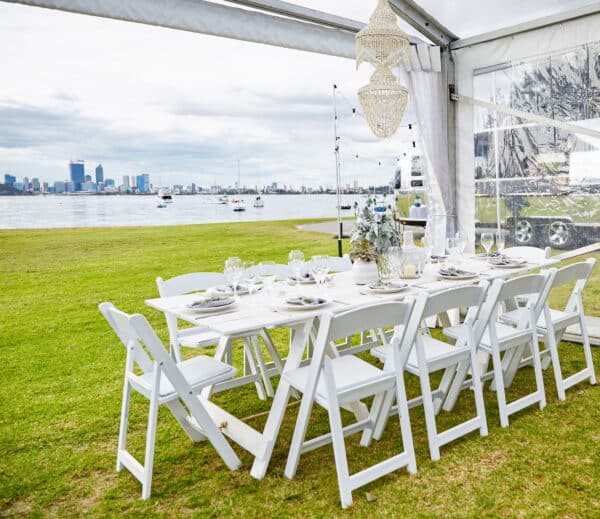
[
  {"x": 560, "y": 235},
  {"x": 523, "y": 232}
]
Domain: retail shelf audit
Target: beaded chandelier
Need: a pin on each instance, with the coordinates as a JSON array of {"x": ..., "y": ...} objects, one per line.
[
  {"x": 383, "y": 101},
  {"x": 383, "y": 44}
]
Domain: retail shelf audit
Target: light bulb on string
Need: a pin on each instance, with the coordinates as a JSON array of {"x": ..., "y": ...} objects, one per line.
[{"x": 354, "y": 113}]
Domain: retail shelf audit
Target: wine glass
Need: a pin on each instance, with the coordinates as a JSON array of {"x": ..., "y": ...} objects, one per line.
[
  {"x": 319, "y": 268},
  {"x": 461, "y": 242},
  {"x": 266, "y": 270},
  {"x": 233, "y": 272},
  {"x": 500, "y": 242},
  {"x": 453, "y": 247},
  {"x": 487, "y": 242},
  {"x": 250, "y": 277},
  {"x": 296, "y": 264}
]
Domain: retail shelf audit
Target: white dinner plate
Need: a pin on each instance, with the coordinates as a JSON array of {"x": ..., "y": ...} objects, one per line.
[{"x": 319, "y": 303}]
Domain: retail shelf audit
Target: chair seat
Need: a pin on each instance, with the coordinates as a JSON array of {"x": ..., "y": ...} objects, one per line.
[
  {"x": 198, "y": 337},
  {"x": 435, "y": 352},
  {"x": 349, "y": 372},
  {"x": 559, "y": 319},
  {"x": 198, "y": 372}
]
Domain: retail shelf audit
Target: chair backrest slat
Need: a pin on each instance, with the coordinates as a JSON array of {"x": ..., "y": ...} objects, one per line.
[
  {"x": 373, "y": 317},
  {"x": 532, "y": 254},
  {"x": 460, "y": 297},
  {"x": 574, "y": 272},
  {"x": 119, "y": 322},
  {"x": 186, "y": 283}
]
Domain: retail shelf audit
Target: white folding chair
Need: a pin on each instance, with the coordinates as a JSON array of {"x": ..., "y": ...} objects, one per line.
[
  {"x": 551, "y": 324},
  {"x": 334, "y": 381},
  {"x": 530, "y": 254},
  {"x": 200, "y": 336},
  {"x": 506, "y": 344},
  {"x": 426, "y": 355},
  {"x": 164, "y": 381}
]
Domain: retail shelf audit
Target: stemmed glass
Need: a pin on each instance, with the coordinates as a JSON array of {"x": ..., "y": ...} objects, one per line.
[
  {"x": 487, "y": 242},
  {"x": 250, "y": 277},
  {"x": 319, "y": 268},
  {"x": 453, "y": 247},
  {"x": 500, "y": 241},
  {"x": 233, "y": 272},
  {"x": 461, "y": 242},
  {"x": 266, "y": 270},
  {"x": 296, "y": 264}
]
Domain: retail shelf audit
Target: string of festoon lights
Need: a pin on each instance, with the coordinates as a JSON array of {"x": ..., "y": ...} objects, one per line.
[{"x": 350, "y": 150}]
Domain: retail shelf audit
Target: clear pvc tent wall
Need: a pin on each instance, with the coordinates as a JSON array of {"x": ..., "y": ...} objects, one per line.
[{"x": 538, "y": 179}]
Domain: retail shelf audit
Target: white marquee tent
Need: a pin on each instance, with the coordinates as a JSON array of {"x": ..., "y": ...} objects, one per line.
[{"x": 490, "y": 81}]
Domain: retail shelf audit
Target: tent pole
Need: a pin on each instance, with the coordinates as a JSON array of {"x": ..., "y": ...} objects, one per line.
[{"x": 338, "y": 179}]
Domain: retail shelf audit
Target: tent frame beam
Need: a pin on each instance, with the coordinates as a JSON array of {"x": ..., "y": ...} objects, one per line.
[
  {"x": 306, "y": 14},
  {"x": 532, "y": 25},
  {"x": 422, "y": 21}
]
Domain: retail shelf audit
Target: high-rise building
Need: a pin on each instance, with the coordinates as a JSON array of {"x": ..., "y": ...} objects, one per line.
[
  {"x": 25, "y": 183},
  {"x": 109, "y": 182},
  {"x": 35, "y": 185},
  {"x": 10, "y": 180},
  {"x": 126, "y": 181},
  {"x": 142, "y": 182},
  {"x": 60, "y": 186},
  {"x": 99, "y": 174},
  {"x": 77, "y": 174}
]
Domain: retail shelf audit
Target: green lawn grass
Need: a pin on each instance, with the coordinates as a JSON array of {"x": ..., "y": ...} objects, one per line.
[{"x": 61, "y": 381}]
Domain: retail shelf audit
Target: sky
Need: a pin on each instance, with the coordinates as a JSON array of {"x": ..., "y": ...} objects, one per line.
[
  {"x": 186, "y": 107},
  {"x": 180, "y": 106}
]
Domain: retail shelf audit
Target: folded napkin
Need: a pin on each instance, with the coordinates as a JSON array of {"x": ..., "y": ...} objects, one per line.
[
  {"x": 210, "y": 301},
  {"x": 455, "y": 272},
  {"x": 378, "y": 285},
  {"x": 503, "y": 260},
  {"x": 304, "y": 277},
  {"x": 300, "y": 301}
]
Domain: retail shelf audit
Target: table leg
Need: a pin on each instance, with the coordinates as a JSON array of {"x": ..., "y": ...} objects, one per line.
[{"x": 282, "y": 396}]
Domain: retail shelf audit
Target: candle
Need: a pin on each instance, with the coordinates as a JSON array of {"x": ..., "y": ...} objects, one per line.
[{"x": 410, "y": 270}]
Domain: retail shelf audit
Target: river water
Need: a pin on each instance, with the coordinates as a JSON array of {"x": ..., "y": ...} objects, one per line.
[{"x": 52, "y": 211}]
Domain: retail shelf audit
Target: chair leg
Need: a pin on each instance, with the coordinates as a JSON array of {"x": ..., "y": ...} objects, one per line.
[
  {"x": 181, "y": 415},
  {"x": 176, "y": 352},
  {"x": 478, "y": 392},
  {"x": 537, "y": 369},
  {"x": 444, "y": 387},
  {"x": 339, "y": 451},
  {"x": 384, "y": 415},
  {"x": 374, "y": 413},
  {"x": 122, "y": 445},
  {"x": 150, "y": 442},
  {"x": 405, "y": 428},
  {"x": 262, "y": 366},
  {"x": 299, "y": 434},
  {"x": 434, "y": 449},
  {"x": 550, "y": 341},
  {"x": 456, "y": 387},
  {"x": 587, "y": 351},
  {"x": 499, "y": 385},
  {"x": 260, "y": 390}
]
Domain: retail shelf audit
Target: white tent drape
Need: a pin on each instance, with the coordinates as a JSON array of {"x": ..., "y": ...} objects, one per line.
[{"x": 430, "y": 101}]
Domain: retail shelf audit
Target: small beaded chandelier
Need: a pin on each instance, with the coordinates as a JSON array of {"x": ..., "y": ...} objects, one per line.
[
  {"x": 383, "y": 101},
  {"x": 382, "y": 42}
]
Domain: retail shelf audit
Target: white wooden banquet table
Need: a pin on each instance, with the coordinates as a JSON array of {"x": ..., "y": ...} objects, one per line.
[{"x": 253, "y": 313}]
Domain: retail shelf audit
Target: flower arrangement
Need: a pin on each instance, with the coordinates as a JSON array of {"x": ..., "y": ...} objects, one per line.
[{"x": 373, "y": 234}]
